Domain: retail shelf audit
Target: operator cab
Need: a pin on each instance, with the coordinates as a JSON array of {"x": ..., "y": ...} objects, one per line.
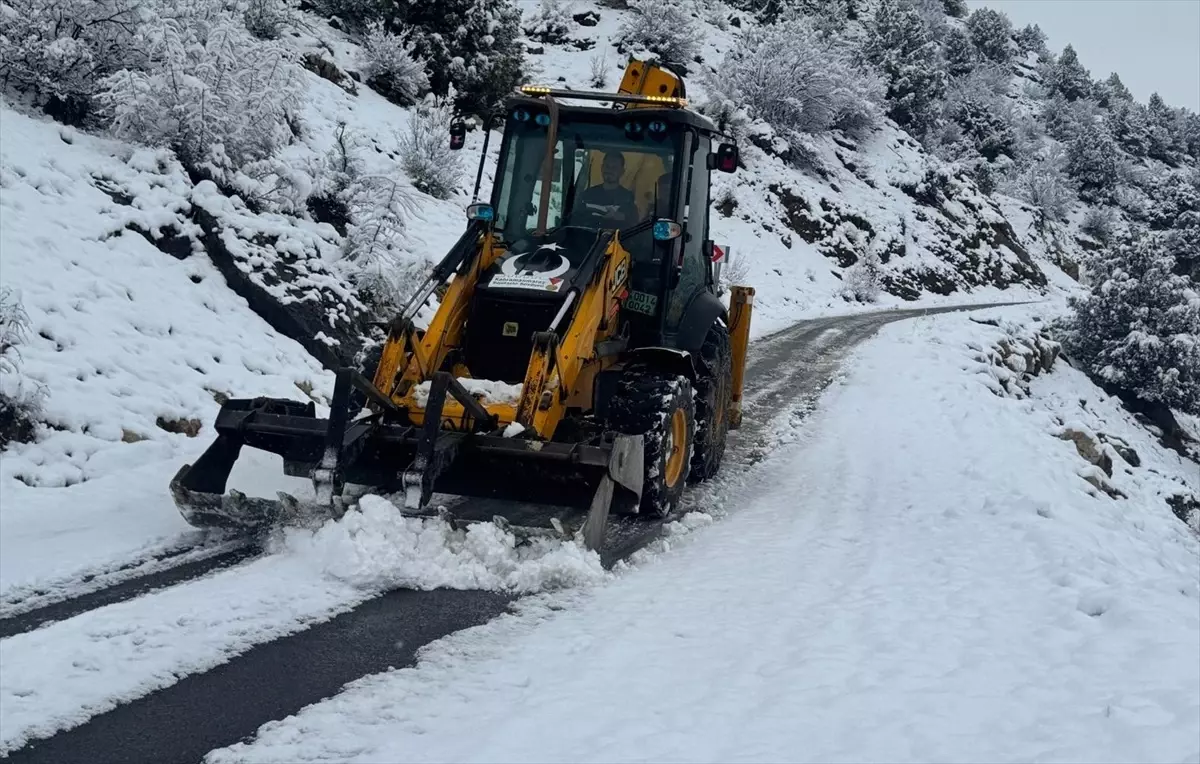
[{"x": 635, "y": 173}]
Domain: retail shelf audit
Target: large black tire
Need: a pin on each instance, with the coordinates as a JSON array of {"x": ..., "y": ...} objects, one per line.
[
  {"x": 714, "y": 390},
  {"x": 659, "y": 407}
]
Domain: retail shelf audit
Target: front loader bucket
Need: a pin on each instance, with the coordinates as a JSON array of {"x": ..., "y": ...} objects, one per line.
[{"x": 581, "y": 482}]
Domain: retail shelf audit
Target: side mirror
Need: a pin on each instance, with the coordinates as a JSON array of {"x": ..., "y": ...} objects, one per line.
[
  {"x": 481, "y": 211},
  {"x": 458, "y": 134},
  {"x": 726, "y": 158}
]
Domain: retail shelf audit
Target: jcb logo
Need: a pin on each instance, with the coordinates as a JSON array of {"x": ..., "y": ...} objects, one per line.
[{"x": 510, "y": 329}]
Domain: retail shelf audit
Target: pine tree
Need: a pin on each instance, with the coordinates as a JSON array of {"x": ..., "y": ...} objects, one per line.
[
  {"x": 1068, "y": 77},
  {"x": 991, "y": 32},
  {"x": 985, "y": 125},
  {"x": 1092, "y": 160},
  {"x": 1127, "y": 123},
  {"x": 1111, "y": 91},
  {"x": 956, "y": 8},
  {"x": 1031, "y": 39},
  {"x": 1174, "y": 210},
  {"x": 959, "y": 53},
  {"x": 899, "y": 44},
  {"x": 1139, "y": 327},
  {"x": 1161, "y": 124}
]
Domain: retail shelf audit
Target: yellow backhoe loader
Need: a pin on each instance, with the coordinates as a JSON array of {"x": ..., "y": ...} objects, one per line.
[{"x": 580, "y": 362}]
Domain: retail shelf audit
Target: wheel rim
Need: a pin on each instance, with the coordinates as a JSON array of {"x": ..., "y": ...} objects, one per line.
[{"x": 676, "y": 452}]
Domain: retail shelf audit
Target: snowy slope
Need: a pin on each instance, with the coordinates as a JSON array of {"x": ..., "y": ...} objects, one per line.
[
  {"x": 128, "y": 343},
  {"x": 942, "y": 585}
]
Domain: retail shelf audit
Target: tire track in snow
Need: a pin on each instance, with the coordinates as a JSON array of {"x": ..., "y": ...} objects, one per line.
[
  {"x": 39, "y": 617},
  {"x": 343, "y": 635}
]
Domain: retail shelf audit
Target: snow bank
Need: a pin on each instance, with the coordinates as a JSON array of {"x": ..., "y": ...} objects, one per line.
[
  {"x": 58, "y": 677},
  {"x": 937, "y": 584}
]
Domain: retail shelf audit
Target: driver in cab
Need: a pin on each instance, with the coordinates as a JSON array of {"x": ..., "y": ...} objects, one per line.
[{"x": 610, "y": 202}]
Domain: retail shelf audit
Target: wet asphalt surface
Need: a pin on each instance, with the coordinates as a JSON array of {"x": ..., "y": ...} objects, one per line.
[{"x": 785, "y": 372}]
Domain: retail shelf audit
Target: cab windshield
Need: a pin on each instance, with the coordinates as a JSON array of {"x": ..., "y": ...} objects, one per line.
[{"x": 606, "y": 174}]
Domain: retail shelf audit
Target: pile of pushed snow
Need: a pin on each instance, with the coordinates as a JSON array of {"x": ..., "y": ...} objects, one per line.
[{"x": 378, "y": 548}]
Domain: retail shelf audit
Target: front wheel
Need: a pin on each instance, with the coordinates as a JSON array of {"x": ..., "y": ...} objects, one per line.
[{"x": 660, "y": 408}]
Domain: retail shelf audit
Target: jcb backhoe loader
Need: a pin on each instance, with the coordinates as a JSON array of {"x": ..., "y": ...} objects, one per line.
[{"x": 579, "y": 357}]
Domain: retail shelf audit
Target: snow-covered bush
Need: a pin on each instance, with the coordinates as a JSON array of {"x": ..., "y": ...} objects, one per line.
[
  {"x": 599, "y": 70},
  {"x": 900, "y": 45},
  {"x": 20, "y": 401},
  {"x": 1099, "y": 223},
  {"x": 863, "y": 281},
  {"x": 57, "y": 51},
  {"x": 209, "y": 90},
  {"x": 1093, "y": 162},
  {"x": 390, "y": 66},
  {"x": 265, "y": 19},
  {"x": 1045, "y": 185},
  {"x": 425, "y": 152},
  {"x": 550, "y": 23},
  {"x": 991, "y": 31},
  {"x": 797, "y": 81},
  {"x": 661, "y": 27},
  {"x": 1139, "y": 327},
  {"x": 977, "y": 105}
]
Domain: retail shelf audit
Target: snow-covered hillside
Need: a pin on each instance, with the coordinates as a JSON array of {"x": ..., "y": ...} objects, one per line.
[{"x": 157, "y": 284}]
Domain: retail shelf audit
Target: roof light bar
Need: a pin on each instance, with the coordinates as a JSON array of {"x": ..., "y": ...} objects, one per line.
[{"x": 591, "y": 95}]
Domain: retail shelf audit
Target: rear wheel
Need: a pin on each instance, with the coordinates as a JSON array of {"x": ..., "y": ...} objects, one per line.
[
  {"x": 660, "y": 408},
  {"x": 713, "y": 393}
]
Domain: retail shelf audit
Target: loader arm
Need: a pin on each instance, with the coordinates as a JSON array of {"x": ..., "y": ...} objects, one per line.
[{"x": 407, "y": 360}]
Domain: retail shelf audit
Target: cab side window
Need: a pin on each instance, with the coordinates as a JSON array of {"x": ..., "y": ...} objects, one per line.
[{"x": 695, "y": 268}]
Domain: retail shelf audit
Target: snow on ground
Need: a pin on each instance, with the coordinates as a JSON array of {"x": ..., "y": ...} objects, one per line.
[
  {"x": 61, "y": 675},
  {"x": 126, "y": 341},
  {"x": 938, "y": 585}
]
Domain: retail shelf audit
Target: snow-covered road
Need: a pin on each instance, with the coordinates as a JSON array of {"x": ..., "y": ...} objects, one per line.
[{"x": 923, "y": 576}]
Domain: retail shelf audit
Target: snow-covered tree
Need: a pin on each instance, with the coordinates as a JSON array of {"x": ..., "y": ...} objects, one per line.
[
  {"x": 1139, "y": 327},
  {"x": 1068, "y": 77},
  {"x": 663, "y": 28},
  {"x": 390, "y": 66},
  {"x": 1162, "y": 124},
  {"x": 1031, "y": 39},
  {"x": 472, "y": 45},
  {"x": 986, "y": 123},
  {"x": 1174, "y": 210},
  {"x": 956, "y": 8},
  {"x": 1093, "y": 161},
  {"x": 797, "y": 80},
  {"x": 1128, "y": 125},
  {"x": 379, "y": 263},
  {"x": 425, "y": 152},
  {"x": 209, "y": 90},
  {"x": 265, "y": 18},
  {"x": 1108, "y": 92},
  {"x": 550, "y": 23},
  {"x": 899, "y": 44},
  {"x": 991, "y": 31},
  {"x": 959, "y": 52}
]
